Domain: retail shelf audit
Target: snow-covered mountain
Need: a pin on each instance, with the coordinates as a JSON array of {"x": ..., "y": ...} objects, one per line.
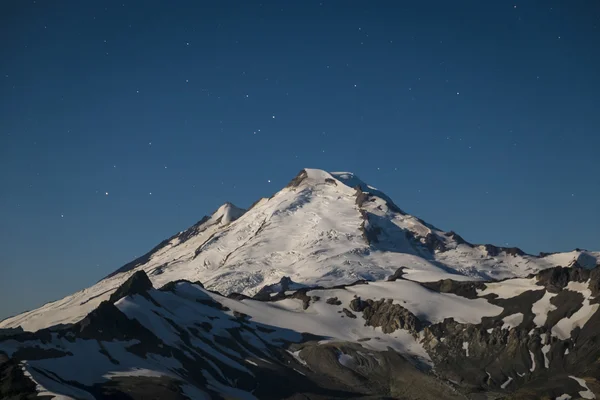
[
  {"x": 321, "y": 229},
  {"x": 325, "y": 290}
]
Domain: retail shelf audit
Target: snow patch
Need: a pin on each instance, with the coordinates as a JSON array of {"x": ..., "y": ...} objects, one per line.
[
  {"x": 509, "y": 288},
  {"x": 565, "y": 326},
  {"x": 541, "y": 308},
  {"x": 532, "y": 361},
  {"x": 563, "y": 397},
  {"x": 545, "y": 351},
  {"x": 346, "y": 360},
  {"x": 465, "y": 347},
  {"x": 512, "y": 321},
  {"x": 505, "y": 384},
  {"x": 587, "y": 393}
]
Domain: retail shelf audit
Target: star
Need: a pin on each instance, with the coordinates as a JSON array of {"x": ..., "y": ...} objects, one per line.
[
  {"x": 150, "y": 193},
  {"x": 149, "y": 143},
  {"x": 62, "y": 215},
  {"x": 273, "y": 117},
  {"x": 187, "y": 43},
  {"x": 268, "y": 181},
  {"x": 106, "y": 193},
  {"x": 457, "y": 93}
]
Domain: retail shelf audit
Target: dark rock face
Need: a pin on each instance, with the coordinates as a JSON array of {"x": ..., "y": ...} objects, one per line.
[
  {"x": 302, "y": 175},
  {"x": 383, "y": 313},
  {"x": 457, "y": 238},
  {"x": 170, "y": 286},
  {"x": 361, "y": 196},
  {"x": 433, "y": 243},
  {"x": 494, "y": 251},
  {"x": 348, "y": 313},
  {"x": 396, "y": 275},
  {"x": 460, "y": 288},
  {"x": 556, "y": 279},
  {"x": 14, "y": 385},
  {"x": 138, "y": 283},
  {"x": 282, "y": 286},
  {"x": 108, "y": 323},
  {"x": 526, "y": 361},
  {"x": 333, "y": 301},
  {"x": 11, "y": 331},
  {"x": 371, "y": 375}
]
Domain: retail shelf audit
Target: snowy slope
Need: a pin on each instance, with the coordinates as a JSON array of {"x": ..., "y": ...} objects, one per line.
[{"x": 322, "y": 229}]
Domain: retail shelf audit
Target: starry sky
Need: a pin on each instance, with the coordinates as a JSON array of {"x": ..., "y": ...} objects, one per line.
[{"x": 124, "y": 122}]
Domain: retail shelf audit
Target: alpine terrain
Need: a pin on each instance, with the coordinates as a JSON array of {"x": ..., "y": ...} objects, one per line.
[{"x": 325, "y": 290}]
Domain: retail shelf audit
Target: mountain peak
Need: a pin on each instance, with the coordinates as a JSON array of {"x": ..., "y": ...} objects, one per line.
[
  {"x": 322, "y": 229},
  {"x": 228, "y": 212}
]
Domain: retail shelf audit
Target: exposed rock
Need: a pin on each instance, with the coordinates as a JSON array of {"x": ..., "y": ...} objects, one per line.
[
  {"x": 556, "y": 279},
  {"x": 170, "y": 286},
  {"x": 330, "y": 181},
  {"x": 11, "y": 331},
  {"x": 433, "y": 243},
  {"x": 37, "y": 353},
  {"x": 237, "y": 296},
  {"x": 358, "y": 305},
  {"x": 302, "y": 175},
  {"x": 494, "y": 251},
  {"x": 387, "y": 374},
  {"x": 138, "y": 283},
  {"x": 108, "y": 323},
  {"x": 361, "y": 196},
  {"x": 397, "y": 275},
  {"x": 285, "y": 284},
  {"x": 544, "y": 254},
  {"x": 239, "y": 315},
  {"x": 301, "y": 294},
  {"x": 14, "y": 385},
  {"x": 370, "y": 233},
  {"x": 388, "y": 316},
  {"x": 460, "y": 288},
  {"x": 457, "y": 238},
  {"x": 333, "y": 301},
  {"x": 348, "y": 313},
  {"x": 513, "y": 251}
]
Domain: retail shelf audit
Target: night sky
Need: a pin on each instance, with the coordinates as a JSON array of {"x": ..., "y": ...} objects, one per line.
[{"x": 122, "y": 123}]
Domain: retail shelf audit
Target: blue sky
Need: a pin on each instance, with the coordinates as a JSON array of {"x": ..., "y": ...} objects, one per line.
[{"x": 479, "y": 117}]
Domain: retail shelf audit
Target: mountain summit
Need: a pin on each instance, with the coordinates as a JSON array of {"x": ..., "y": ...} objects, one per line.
[
  {"x": 325, "y": 290},
  {"x": 321, "y": 229}
]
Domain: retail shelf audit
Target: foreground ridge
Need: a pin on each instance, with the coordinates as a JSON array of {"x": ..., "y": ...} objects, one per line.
[{"x": 520, "y": 338}]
